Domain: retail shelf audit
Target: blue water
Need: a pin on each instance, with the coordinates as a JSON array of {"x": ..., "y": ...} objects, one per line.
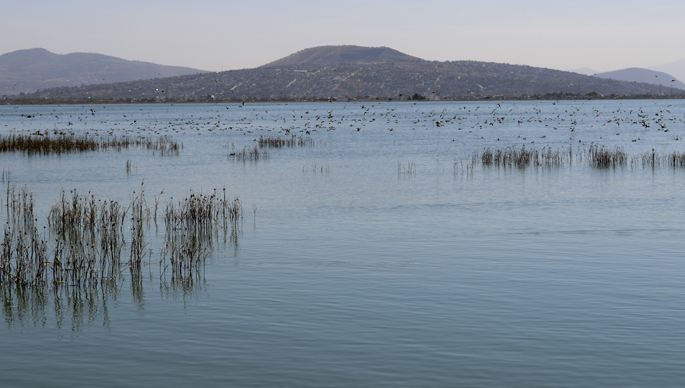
[{"x": 370, "y": 258}]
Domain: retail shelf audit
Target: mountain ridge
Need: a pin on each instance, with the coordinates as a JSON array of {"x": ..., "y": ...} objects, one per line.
[
  {"x": 25, "y": 71},
  {"x": 636, "y": 74},
  {"x": 371, "y": 73},
  {"x": 675, "y": 68}
]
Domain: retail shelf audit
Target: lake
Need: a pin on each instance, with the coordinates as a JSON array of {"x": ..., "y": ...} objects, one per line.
[{"x": 378, "y": 251}]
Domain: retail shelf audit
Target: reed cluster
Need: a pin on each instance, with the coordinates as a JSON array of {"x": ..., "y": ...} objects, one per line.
[
  {"x": 45, "y": 144},
  {"x": 280, "y": 142},
  {"x": 676, "y": 160},
  {"x": 89, "y": 239},
  {"x": 602, "y": 157},
  {"x": 248, "y": 155},
  {"x": 521, "y": 158},
  {"x": 595, "y": 155},
  {"x": 140, "y": 213},
  {"x": 24, "y": 255},
  {"x": 84, "y": 239},
  {"x": 191, "y": 226},
  {"x": 652, "y": 159},
  {"x": 164, "y": 145}
]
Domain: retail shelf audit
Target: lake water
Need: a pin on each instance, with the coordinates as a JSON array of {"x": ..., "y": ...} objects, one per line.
[{"x": 377, "y": 255}]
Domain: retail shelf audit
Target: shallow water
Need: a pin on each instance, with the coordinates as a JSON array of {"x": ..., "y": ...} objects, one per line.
[{"x": 371, "y": 258}]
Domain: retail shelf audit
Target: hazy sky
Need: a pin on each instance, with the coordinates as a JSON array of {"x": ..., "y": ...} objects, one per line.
[{"x": 214, "y": 34}]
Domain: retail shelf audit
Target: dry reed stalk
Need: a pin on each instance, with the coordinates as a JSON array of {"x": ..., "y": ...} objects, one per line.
[
  {"x": 248, "y": 155},
  {"x": 280, "y": 142},
  {"x": 191, "y": 225},
  {"x": 46, "y": 144}
]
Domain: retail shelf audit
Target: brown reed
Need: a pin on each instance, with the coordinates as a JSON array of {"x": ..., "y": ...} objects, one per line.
[
  {"x": 248, "y": 155},
  {"x": 46, "y": 144},
  {"x": 82, "y": 244},
  {"x": 280, "y": 142},
  {"x": 191, "y": 225},
  {"x": 521, "y": 158},
  {"x": 602, "y": 157}
]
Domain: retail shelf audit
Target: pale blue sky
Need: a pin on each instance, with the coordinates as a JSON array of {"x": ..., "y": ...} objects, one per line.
[{"x": 213, "y": 34}]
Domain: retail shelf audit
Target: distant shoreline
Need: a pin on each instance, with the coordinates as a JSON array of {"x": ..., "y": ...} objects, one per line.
[{"x": 547, "y": 97}]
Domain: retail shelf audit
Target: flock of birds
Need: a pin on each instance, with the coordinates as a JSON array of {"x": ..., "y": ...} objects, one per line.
[{"x": 525, "y": 120}]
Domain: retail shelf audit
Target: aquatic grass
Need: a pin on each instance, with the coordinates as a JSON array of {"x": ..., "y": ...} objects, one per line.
[
  {"x": 81, "y": 245},
  {"x": 140, "y": 213},
  {"x": 192, "y": 225},
  {"x": 88, "y": 234},
  {"x": 318, "y": 169},
  {"x": 596, "y": 156},
  {"x": 602, "y": 157},
  {"x": 83, "y": 241},
  {"x": 46, "y": 144},
  {"x": 409, "y": 169},
  {"x": 248, "y": 155},
  {"x": 521, "y": 157},
  {"x": 281, "y": 142},
  {"x": 24, "y": 255},
  {"x": 676, "y": 159}
]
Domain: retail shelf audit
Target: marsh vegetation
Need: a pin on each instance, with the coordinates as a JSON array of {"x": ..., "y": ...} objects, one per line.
[
  {"x": 44, "y": 143},
  {"x": 84, "y": 238}
]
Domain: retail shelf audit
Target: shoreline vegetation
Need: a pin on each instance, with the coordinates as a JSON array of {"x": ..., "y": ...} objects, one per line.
[{"x": 416, "y": 98}]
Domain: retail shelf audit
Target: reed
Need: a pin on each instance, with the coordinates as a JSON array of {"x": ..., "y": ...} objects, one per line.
[
  {"x": 676, "y": 160},
  {"x": 191, "y": 226},
  {"x": 602, "y": 157},
  {"x": 89, "y": 239},
  {"x": 82, "y": 243},
  {"x": 248, "y": 155},
  {"x": 140, "y": 213},
  {"x": 46, "y": 144},
  {"x": 281, "y": 142},
  {"x": 520, "y": 158},
  {"x": 595, "y": 155},
  {"x": 24, "y": 256}
]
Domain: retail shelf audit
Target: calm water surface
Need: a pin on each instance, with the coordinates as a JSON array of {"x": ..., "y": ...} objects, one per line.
[{"x": 374, "y": 257}]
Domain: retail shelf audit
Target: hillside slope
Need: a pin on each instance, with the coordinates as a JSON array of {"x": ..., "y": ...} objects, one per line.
[
  {"x": 677, "y": 69},
  {"x": 432, "y": 80},
  {"x": 635, "y": 74},
  {"x": 29, "y": 70}
]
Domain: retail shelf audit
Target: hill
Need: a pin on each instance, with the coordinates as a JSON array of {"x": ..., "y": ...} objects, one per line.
[
  {"x": 334, "y": 55},
  {"x": 635, "y": 74},
  {"x": 676, "y": 68},
  {"x": 585, "y": 71},
  {"x": 29, "y": 70},
  {"x": 376, "y": 78}
]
